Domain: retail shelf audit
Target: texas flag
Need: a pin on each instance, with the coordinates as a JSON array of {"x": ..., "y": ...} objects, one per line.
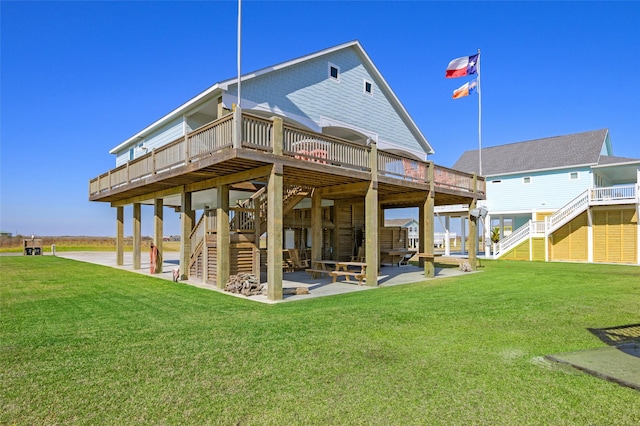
[
  {"x": 465, "y": 90},
  {"x": 460, "y": 67}
]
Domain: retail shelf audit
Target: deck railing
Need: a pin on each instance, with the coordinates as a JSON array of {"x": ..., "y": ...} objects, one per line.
[
  {"x": 614, "y": 194},
  {"x": 454, "y": 179},
  {"x": 256, "y": 132},
  {"x": 309, "y": 146},
  {"x": 400, "y": 167},
  {"x": 297, "y": 143},
  {"x": 210, "y": 138}
]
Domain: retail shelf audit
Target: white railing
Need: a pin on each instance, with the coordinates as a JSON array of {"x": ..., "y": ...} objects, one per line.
[
  {"x": 515, "y": 238},
  {"x": 538, "y": 228},
  {"x": 596, "y": 196},
  {"x": 614, "y": 194},
  {"x": 568, "y": 212}
]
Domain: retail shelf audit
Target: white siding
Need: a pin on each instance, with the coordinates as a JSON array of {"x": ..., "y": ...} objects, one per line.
[{"x": 545, "y": 191}]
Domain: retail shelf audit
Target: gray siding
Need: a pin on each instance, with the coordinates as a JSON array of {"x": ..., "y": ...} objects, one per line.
[
  {"x": 305, "y": 90},
  {"x": 160, "y": 137}
]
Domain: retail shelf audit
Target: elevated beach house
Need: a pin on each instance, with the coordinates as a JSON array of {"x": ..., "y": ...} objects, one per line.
[
  {"x": 319, "y": 148},
  {"x": 562, "y": 198}
]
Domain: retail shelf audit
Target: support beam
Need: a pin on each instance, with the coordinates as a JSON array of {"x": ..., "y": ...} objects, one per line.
[
  {"x": 427, "y": 233},
  {"x": 421, "y": 240},
  {"x": 473, "y": 237},
  {"x": 316, "y": 226},
  {"x": 274, "y": 234},
  {"x": 253, "y": 174},
  {"x": 137, "y": 238},
  {"x": 119, "y": 236},
  {"x": 371, "y": 221},
  {"x": 349, "y": 189},
  {"x": 158, "y": 232},
  {"x": 165, "y": 193},
  {"x": 187, "y": 220},
  {"x": 223, "y": 251}
]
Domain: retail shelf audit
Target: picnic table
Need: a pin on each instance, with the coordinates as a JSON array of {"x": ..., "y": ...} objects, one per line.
[
  {"x": 399, "y": 256},
  {"x": 336, "y": 268}
]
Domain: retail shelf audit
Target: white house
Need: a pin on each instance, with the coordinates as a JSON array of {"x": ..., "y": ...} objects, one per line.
[{"x": 561, "y": 198}]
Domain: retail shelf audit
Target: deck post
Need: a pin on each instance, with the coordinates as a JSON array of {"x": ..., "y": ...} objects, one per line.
[
  {"x": 371, "y": 214},
  {"x": 158, "y": 232},
  {"x": 205, "y": 246},
  {"x": 187, "y": 219},
  {"x": 120, "y": 235},
  {"x": 223, "y": 260},
  {"x": 185, "y": 130},
  {"x": 137, "y": 240},
  {"x": 316, "y": 226},
  {"x": 428, "y": 219},
  {"x": 473, "y": 236},
  {"x": 421, "y": 238},
  {"x": 237, "y": 128},
  {"x": 274, "y": 233},
  {"x": 278, "y": 135}
]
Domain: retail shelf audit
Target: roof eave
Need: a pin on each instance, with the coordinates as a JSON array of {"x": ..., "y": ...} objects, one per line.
[
  {"x": 573, "y": 166},
  {"x": 422, "y": 140},
  {"x": 168, "y": 117}
]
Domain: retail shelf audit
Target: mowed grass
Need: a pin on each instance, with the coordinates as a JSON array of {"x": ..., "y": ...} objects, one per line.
[{"x": 85, "y": 344}]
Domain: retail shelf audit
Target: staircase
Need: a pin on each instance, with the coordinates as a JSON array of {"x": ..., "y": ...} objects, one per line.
[
  {"x": 572, "y": 209},
  {"x": 520, "y": 235},
  {"x": 241, "y": 218},
  {"x": 597, "y": 196}
]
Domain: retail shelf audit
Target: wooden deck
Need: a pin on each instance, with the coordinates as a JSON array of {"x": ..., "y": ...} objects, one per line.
[{"x": 337, "y": 168}]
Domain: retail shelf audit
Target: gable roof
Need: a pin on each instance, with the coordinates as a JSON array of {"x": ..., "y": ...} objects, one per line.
[
  {"x": 224, "y": 85},
  {"x": 575, "y": 150},
  {"x": 398, "y": 222}
]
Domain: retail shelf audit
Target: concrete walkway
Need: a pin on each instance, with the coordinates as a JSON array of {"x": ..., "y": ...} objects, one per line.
[
  {"x": 319, "y": 287},
  {"x": 618, "y": 363}
]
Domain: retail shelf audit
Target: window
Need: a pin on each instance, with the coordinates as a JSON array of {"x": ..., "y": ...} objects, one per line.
[
  {"x": 368, "y": 87},
  {"x": 334, "y": 72},
  {"x": 573, "y": 175},
  {"x": 526, "y": 179}
]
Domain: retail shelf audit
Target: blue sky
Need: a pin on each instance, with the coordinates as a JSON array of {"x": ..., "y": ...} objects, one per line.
[{"x": 78, "y": 78}]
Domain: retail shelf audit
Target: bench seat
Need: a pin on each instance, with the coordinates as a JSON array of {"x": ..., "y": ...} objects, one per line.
[
  {"x": 356, "y": 275},
  {"x": 315, "y": 272}
]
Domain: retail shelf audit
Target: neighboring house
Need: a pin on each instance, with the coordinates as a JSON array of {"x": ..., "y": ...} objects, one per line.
[
  {"x": 321, "y": 145},
  {"x": 412, "y": 230},
  {"x": 564, "y": 198}
]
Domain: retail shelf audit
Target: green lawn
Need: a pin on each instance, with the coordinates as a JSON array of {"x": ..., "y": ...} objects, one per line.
[{"x": 84, "y": 344}]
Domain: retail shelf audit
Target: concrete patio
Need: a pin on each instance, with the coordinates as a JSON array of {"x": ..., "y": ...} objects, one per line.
[{"x": 318, "y": 287}]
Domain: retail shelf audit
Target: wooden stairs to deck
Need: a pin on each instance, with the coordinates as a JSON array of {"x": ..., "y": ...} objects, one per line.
[{"x": 242, "y": 253}]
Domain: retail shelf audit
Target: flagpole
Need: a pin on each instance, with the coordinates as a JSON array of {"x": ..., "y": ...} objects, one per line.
[
  {"x": 239, "y": 46},
  {"x": 479, "y": 119},
  {"x": 237, "y": 113}
]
